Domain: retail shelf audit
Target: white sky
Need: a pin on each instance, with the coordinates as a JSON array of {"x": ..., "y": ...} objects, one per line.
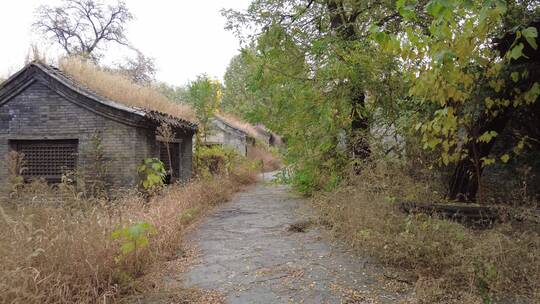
[{"x": 186, "y": 37}]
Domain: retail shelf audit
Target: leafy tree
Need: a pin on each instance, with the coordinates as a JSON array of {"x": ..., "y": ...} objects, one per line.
[
  {"x": 472, "y": 89},
  {"x": 238, "y": 96},
  {"x": 329, "y": 74},
  {"x": 205, "y": 96},
  {"x": 174, "y": 93},
  {"x": 306, "y": 76}
]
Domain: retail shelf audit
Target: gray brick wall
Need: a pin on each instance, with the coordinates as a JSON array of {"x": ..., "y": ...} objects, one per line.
[
  {"x": 186, "y": 160},
  {"x": 40, "y": 113},
  {"x": 223, "y": 134}
]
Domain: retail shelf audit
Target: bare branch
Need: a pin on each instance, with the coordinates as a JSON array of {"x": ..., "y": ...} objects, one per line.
[{"x": 82, "y": 27}]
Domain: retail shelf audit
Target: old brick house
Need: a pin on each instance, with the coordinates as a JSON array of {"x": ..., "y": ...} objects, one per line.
[
  {"x": 51, "y": 119},
  {"x": 225, "y": 134}
]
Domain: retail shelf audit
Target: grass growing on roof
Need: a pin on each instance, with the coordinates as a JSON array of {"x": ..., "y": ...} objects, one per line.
[
  {"x": 119, "y": 88},
  {"x": 239, "y": 124}
]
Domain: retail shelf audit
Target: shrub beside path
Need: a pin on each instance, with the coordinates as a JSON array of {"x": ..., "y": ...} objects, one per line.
[{"x": 261, "y": 248}]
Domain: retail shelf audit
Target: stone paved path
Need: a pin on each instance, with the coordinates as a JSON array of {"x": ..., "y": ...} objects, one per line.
[{"x": 249, "y": 255}]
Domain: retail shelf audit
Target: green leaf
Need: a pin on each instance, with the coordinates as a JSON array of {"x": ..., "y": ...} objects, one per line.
[
  {"x": 440, "y": 9},
  {"x": 468, "y": 4},
  {"x": 127, "y": 248},
  {"x": 517, "y": 51},
  {"x": 505, "y": 158},
  {"x": 156, "y": 166},
  {"x": 487, "y": 136},
  {"x": 406, "y": 10},
  {"x": 116, "y": 234},
  {"x": 486, "y": 161},
  {"x": 433, "y": 142},
  {"x": 532, "y": 95},
  {"x": 530, "y": 34},
  {"x": 374, "y": 29},
  {"x": 444, "y": 56},
  {"x": 489, "y": 102},
  {"x": 153, "y": 179},
  {"x": 143, "y": 242},
  {"x": 434, "y": 8},
  {"x": 515, "y": 76},
  {"x": 135, "y": 230}
]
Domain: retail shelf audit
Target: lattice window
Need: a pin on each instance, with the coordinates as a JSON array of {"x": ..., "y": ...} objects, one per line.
[
  {"x": 48, "y": 159},
  {"x": 174, "y": 149}
]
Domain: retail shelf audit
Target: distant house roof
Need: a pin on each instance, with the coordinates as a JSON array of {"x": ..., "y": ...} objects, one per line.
[
  {"x": 228, "y": 124},
  {"x": 56, "y": 79}
]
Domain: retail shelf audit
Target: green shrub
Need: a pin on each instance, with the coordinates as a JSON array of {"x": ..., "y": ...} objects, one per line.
[
  {"x": 133, "y": 238},
  {"x": 152, "y": 174},
  {"x": 215, "y": 160}
]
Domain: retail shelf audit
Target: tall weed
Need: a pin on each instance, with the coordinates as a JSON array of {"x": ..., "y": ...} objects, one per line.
[{"x": 61, "y": 249}]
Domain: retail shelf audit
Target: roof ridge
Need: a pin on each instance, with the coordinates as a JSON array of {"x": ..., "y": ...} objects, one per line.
[{"x": 224, "y": 120}]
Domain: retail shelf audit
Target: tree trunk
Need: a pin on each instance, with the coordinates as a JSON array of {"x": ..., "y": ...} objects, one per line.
[
  {"x": 359, "y": 126},
  {"x": 343, "y": 25},
  {"x": 464, "y": 183}
]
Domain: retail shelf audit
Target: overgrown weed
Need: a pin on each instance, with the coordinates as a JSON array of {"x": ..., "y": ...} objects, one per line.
[
  {"x": 453, "y": 263},
  {"x": 268, "y": 157},
  {"x": 58, "y": 248}
]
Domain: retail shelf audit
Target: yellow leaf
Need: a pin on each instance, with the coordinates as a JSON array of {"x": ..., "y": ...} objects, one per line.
[
  {"x": 486, "y": 161},
  {"x": 489, "y": 102}
]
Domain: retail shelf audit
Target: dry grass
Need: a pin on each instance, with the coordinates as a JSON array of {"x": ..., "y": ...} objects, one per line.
[
  {"x": 120, "y": 89},
  {"x": 52, "y": 253},
  {"x": 262, "y": 153},
  {"x": 245, "y": 173},
  {"x": 453, "y": 263},
  {"x": 239, "y": 124}
]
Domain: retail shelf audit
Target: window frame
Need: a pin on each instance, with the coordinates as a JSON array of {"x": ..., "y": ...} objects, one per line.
[{"x": 18, "y": 145}]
